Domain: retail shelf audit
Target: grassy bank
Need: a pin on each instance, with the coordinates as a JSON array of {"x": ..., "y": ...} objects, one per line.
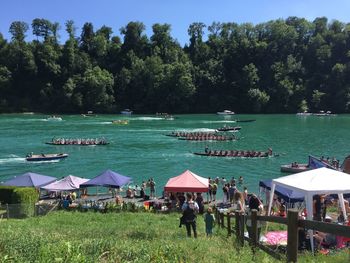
[{"x": 119, "y": 237}]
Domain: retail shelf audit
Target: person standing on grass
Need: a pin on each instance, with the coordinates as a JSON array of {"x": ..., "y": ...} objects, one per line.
[
  {"x": 209, "y": 220},
  {"x": 190, "y": 209}
]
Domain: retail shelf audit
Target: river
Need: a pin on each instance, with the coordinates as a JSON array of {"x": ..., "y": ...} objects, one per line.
[{"x": 141, "y": 150}]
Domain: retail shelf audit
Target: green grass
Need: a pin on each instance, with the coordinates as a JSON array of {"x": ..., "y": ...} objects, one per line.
[{"x": 120, "y": 237}]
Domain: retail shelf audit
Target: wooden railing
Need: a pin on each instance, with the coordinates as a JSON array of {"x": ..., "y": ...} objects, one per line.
[{"x": 293, "y": 224}]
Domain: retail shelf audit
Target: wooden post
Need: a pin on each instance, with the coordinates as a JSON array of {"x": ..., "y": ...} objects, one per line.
[
  {"x": 241, "y": 223},
  {"x": 254, "y": 228},
  {"x": 292, "y": 246},
  {"x": 237, "y": 227},
  {"x": 222, "y": 220},
  {"x": 218, "y": 216},
  {"x": 228, "y": 225},
  {"x": 8, "y": 211}
]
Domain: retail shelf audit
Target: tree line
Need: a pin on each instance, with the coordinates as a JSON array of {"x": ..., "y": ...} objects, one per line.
[{"x": 280, "y": 66}]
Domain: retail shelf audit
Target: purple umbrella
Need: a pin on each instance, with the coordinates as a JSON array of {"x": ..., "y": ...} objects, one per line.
[
  {"x": 30, "y": 180},
  {"x": 108, "y": 179}
]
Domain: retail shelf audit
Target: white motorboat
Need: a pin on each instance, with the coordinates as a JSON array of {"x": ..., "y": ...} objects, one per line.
[
  {"x": 54, "y": 118},
  {"x": 225, "y": 112},
  {"x": 126, "y": 112}
]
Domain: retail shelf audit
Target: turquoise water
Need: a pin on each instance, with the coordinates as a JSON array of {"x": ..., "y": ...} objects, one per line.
[{"x": 140, "y": 149}]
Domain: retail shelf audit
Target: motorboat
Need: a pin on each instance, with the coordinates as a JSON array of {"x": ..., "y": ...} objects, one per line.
[
  {"x": 54, "y": 118},
  {"x": 313, "y": 163},
  {"x": 89, "y": 113},
  {"x": 225, "y": 112},
  {"x": 295, "y": 167},
  {"x": 126, "y": 112},
  {"x": 229, "y": 128},
  {"x": 45, "y": 157}
]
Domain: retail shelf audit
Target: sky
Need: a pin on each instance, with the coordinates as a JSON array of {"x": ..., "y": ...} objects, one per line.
[{"x": 178, "y": 13}]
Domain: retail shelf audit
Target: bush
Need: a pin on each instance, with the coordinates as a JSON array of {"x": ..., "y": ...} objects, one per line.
[
  {"x": 6, "y": 194},
  {"x": 25, "y": 197}
]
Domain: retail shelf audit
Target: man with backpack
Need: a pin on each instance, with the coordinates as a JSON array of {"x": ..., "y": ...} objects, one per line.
[{"x": 190, "y": 209}]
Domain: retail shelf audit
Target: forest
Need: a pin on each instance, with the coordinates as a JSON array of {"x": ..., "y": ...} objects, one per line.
[{"x": 280, "y": 66}]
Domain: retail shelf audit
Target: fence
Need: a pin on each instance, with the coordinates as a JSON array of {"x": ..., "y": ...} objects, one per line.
[
  {"x": 293, "y": 224},
  {"x": 28, "y": 210}
]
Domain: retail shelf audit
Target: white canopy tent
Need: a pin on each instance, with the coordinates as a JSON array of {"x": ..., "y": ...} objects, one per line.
[{"x": 318, "y": 181}]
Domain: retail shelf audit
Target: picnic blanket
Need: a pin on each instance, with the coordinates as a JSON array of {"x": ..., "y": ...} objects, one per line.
[{"x": 275, "y": 238}]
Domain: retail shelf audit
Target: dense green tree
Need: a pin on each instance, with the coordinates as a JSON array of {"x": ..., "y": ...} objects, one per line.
[
  {"x": 278, "y": 66},
  {"x": 18, "y": 31}
]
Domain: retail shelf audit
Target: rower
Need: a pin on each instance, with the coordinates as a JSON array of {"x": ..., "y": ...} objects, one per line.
[
  {"x": 206, "y": 149},
  {"x": 270, "y": 152}
]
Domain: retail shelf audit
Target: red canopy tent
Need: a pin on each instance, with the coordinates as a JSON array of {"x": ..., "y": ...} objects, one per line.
[{"x": 187, "y": 182}]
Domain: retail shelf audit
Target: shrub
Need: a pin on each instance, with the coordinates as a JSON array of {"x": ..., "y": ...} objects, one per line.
[
  {"x": 24, "y": 197},
  {"x": 6, "y": 194}
]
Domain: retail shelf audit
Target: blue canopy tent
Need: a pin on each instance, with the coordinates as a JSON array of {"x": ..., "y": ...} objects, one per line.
[
  {"x": 30, "y": 180},
  {"x": 288, "y": 195},
  {"x": 108, "y": 179}
]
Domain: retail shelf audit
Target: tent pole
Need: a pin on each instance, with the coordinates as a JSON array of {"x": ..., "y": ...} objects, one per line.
[
  {"x": 342, "y": 205},
  {"x": 310, "y": 212},
  {"x": 272, "y": 193}
]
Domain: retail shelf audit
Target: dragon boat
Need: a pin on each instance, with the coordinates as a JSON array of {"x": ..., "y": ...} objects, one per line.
[
  {"x": 79, "y": 142},
  {"x": 187, "y": 134},
  {"x": 236, "y": 153},
  {"x": 209, "y": 138}
]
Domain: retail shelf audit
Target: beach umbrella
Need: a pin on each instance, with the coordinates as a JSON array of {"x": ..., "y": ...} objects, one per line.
[{"x": 30, "y": 180}]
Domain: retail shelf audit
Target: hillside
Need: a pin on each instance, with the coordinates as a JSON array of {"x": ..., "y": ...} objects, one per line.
[{"x": 118, "y": 237}]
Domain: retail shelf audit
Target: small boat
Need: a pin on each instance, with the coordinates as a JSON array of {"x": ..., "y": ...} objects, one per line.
[
  {"x": 165, "y": 116},
  {"x": 295, "y": 167},
  {"x": 45, "y": 157},
  {"x": 126, "y": 112},
  {"x": 229, "y": 128},
  {"x": 236, "y": 153},
  {"x": 120, "y": 122},
  {"x": 54, "y": 118},
  {"x": 245, "y": 120},
  {"x": 168, "y": 117},
  {"x": 322, "y": 113},
  {"x": 89, "y": 113},
  {"x": 304, "y": 113},
  {"x": 225, "y": 112},
  {"x": 312, "y": 164}
]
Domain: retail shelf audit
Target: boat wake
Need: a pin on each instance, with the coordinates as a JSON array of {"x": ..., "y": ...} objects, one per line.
[
  {"x": 38, "y": 162},
  {"x": 12, "y": 159},
  {"x": 148, "y": 118}
]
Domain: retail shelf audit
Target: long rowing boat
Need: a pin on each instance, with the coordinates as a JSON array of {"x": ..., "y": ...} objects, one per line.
[
  {"x": 190, "y": 134},
  {"x": 209, "y": 138},
  {"x": 80, "y": 142},
  {"x": 236, "y": 153}
]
